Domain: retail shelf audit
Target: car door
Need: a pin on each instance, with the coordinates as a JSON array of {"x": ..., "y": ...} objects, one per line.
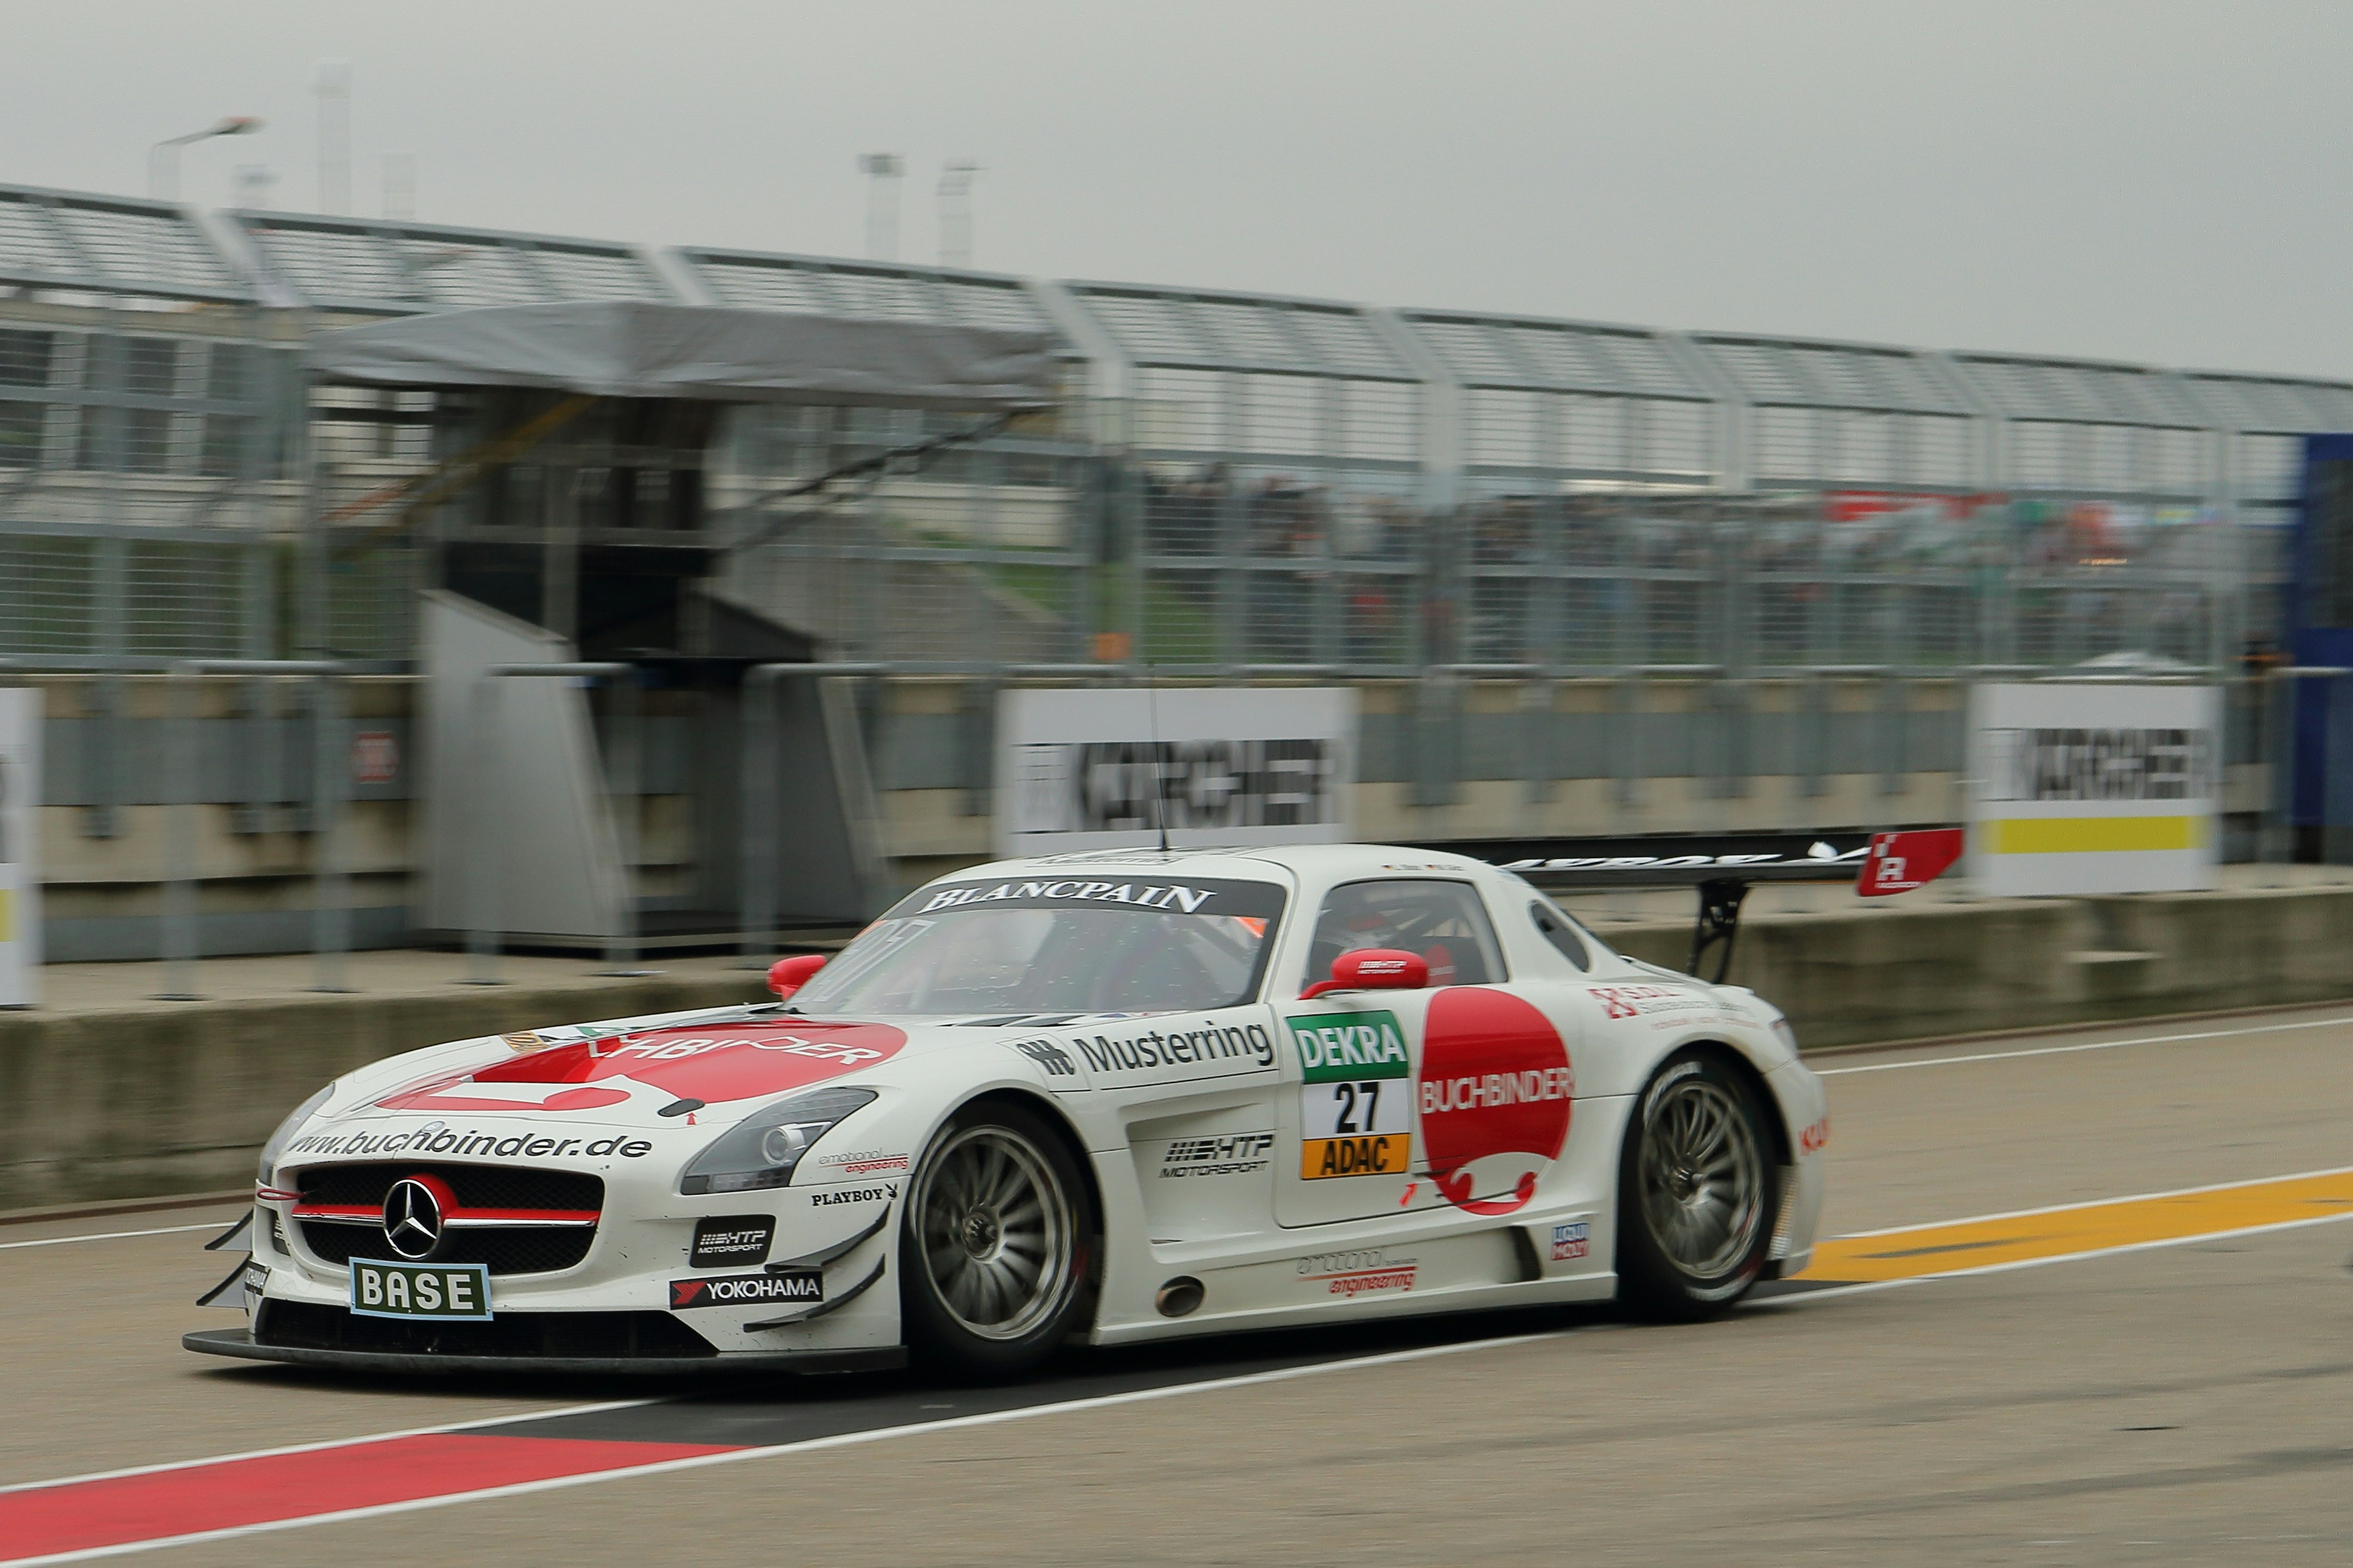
[
  {"x": 1195, "y": 1094},
  {"x": 1353, "y": 1143}
]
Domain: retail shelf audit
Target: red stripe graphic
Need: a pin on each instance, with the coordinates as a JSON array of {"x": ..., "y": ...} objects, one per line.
[
  {"x": 81, "y": 1515},
  {"x": 367, "y": 1216}
]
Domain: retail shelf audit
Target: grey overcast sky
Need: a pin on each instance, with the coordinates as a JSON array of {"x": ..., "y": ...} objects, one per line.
[{"x": 2144, "y": 180}]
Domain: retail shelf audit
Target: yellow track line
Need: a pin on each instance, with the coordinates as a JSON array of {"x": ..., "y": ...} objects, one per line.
[{"x": 2003, "y": 1239}]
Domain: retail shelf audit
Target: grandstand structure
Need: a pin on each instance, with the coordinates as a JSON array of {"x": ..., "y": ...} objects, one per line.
[{"x": 1232, "y": 479}]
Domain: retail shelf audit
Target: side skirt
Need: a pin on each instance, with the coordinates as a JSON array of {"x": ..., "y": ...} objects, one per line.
[{"x": 1404, "y": 1304}]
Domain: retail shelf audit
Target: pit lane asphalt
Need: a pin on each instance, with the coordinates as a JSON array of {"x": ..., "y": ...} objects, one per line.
[{"x": 2187, "y": 1404}]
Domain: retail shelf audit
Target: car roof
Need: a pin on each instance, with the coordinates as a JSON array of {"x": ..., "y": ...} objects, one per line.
[{"x": 1307, "y": 863}]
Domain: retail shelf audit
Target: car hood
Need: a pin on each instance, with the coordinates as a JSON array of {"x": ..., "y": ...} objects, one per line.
[{"x": 659, "y": 1074}]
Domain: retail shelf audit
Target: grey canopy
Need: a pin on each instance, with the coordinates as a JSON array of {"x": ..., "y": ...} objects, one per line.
[{"x": 633, "y": 349}]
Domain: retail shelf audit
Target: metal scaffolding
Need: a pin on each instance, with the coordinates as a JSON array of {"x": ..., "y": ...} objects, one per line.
[
  {"x": 1232, "y": 479},
  {"x": 359, "y": 267}
]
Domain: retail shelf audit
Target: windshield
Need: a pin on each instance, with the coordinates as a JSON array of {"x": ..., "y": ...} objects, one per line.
[{"x": 1029, "y": 946}]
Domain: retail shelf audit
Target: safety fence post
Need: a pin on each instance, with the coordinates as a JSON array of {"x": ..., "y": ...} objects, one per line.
[
  {"x": 330, "y": 913},
  {"x": 758, "y": 895},
  {"x": 183, "y": 795},
  {"x": 481, "y": 834}
]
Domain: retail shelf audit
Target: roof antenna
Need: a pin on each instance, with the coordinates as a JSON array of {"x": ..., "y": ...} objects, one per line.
[{"x": 1159, "y": 773}]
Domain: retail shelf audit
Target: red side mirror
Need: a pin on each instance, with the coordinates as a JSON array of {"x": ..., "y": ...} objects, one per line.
[
  {"x": 787, "y": 975},
  {"x": 1374, "y": 969}
]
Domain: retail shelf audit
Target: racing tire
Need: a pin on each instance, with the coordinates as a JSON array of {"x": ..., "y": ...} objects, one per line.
[
  {"x": 996, "y": 1246},
  {"x": 1697, "y": 1186}
]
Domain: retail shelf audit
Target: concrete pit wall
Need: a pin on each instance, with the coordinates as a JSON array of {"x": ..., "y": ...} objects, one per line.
[
  {"x": 1932, "y": 970},
  {"x": 147, "y": 1100}
]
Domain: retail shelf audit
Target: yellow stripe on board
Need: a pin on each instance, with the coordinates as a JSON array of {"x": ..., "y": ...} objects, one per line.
[
  {"x": 2080, "y": 1227},
  {"x": 7, "y": 914},
  {"x": 2090, "y": 835}
]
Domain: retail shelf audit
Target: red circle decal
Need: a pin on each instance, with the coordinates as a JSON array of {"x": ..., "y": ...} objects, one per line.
[{"x": 1495, "y": 1093}]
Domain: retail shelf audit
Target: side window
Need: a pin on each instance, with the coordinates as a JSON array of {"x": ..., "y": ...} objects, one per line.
[
  {"x": 1443, "y": 921},
  {"x": 1557, "y": 931}
]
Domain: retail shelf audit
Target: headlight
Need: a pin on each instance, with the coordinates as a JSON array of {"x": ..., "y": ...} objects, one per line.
[
  {"x": 762, "y": 1149},
  {"x": 267, "y": 1173}
]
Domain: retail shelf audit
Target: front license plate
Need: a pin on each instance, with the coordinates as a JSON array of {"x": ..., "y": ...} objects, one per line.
[{"x": 445, "y": 1291}]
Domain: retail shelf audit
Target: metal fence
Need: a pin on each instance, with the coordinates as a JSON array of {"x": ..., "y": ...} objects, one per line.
[
  {"x": 1230, "y": 479},
  {"x": 147, "y": 479}
]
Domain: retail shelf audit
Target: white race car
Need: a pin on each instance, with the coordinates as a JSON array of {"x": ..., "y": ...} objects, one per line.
[{"x": 1114, "y": 1097}]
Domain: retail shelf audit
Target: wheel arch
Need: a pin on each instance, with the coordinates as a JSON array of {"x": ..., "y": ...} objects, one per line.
[
  {"x": 1042, "y": 1106},
  {"x": 1742, "y": 1066},
  {"x": 1059, "y": 1122}
]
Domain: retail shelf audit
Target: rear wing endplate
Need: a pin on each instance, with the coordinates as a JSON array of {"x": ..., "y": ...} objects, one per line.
[{"x": 1890, "y": 863}]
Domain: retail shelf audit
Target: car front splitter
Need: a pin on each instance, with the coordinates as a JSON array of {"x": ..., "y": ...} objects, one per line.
[{"x": 240, "y": 1343}]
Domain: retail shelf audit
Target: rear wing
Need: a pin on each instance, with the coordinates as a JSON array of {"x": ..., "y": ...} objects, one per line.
[{"x": 1887, "y": 863}]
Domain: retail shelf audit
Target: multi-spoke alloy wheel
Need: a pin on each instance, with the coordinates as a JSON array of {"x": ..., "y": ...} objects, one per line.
[
  {"x": 1703, "y": 1180},
  {"x": 996, "y": 1242},
  {"x": 1696, "y": 1191},
  {"x": 995, "y": 1231}
]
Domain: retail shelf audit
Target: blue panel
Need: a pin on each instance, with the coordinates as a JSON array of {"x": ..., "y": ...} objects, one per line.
[{"x": 2322, "y": 706}]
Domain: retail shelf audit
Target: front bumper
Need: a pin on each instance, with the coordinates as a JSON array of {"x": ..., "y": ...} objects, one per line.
[
  {"x": 616, "y": 1307},
  {"x": 240, "y": 1343}
]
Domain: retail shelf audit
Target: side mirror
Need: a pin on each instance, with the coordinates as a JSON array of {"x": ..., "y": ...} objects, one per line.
[
  {"x": 787, "y": 975},
  {"x": 1374, "y": 969}
]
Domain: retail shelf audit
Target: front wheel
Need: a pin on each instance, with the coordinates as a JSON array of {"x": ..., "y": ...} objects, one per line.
[
  {"x": 995, "y": 1246},
  {"x": 1695, "y": 1190}
]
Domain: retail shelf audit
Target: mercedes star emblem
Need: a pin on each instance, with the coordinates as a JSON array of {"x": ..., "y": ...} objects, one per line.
[{"x": 412, "y": 1218}]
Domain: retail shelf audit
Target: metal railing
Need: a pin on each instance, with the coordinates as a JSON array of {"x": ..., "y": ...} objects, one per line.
[{"x": 1232, "y": 478}]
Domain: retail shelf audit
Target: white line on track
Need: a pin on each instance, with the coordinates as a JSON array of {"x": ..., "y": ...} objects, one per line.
[
  {"x": 111, "y": 1235},
  {"x": 2084, "y": 1045},
  {"x": 841, "y": 1440}
]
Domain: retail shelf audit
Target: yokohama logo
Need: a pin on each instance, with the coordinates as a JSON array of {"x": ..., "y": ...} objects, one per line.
[{"x": 741, "y": 1289}]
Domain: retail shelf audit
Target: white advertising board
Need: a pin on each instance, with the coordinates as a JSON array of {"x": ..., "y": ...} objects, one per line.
[
  {"x": 20, "y": 879},
  {"x": 1098, "y": 769},
  {"x": 2095, "y": 787}
]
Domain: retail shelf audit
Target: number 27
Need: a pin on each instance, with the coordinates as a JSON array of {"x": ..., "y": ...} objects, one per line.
[{"x": 1347, "y": 1093}]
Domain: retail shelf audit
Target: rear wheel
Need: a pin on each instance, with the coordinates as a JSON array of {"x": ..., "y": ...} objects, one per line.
[
  {"x": 995, "y": 1245},
  {"x": 1695, "y": 1193}
]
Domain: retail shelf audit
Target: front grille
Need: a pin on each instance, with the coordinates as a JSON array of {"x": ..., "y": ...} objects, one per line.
[
  {"x": 605, "y": 1336},
  {"x": 477, "y": 1186},
  {"x": 507, "y": 1249}
]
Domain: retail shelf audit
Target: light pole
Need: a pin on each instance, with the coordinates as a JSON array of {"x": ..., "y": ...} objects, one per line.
[
  {"x": 252, "y": 183},
  {"x": 955, "y": 212},
  {"x": 334, "y": 89},
  {"x": 400, "y": 187},
  {"x": 163, "y": 158},
  {"x": 881, "y": 171}
]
